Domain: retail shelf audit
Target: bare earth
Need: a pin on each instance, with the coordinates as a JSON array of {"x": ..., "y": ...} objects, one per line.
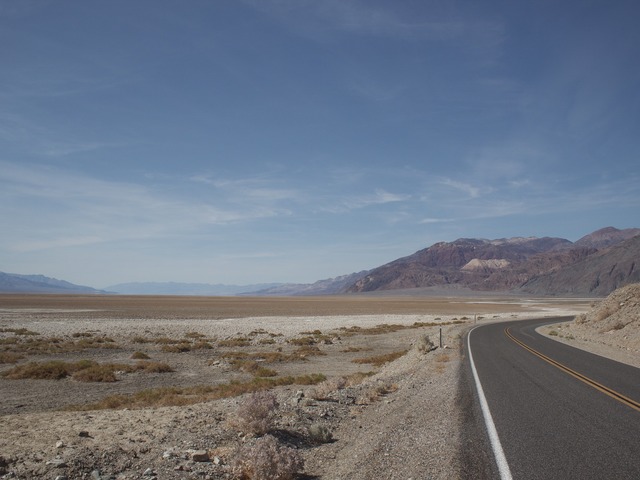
[{"x": 401, "y": 422}]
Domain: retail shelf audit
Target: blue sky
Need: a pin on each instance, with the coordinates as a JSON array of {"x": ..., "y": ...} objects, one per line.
[{"x": 253, "y": 141}]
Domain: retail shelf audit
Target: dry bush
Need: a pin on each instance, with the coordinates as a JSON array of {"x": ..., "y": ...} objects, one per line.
[
  {"x": 425, "y": 345},
  {"x": 181, "y": 347},
  {"x": 308, "y": 351},
  {"x": 154, "y": 367},
  {"x": 18, "y": 331},
  {"x": 267, "y": 459},
  {"x": 180, "y": 396},
  {"x": 140, "y": 356},
  {"x": 379, "y": 360},
  {"x": 319, "y": 433},
  {"x": 356, "y": 349},
  {"x": 53, "y": 370},
  {"x": 580, "y": 319},
  {"x": 96, "y": 373},
  {"x": 235, "y": 342},
  {"x": 256, "y": 413},
  {"x": 302, "y": 341},
  {"x": 254, "y": 368},
  {"x": 605, "y": 312},
  {"x": 9, "y": 357},
  {"x": 82, "y": 371},
  {"x": 36, "y": 344},
  {"x": 375, "y": 392},
  {"x": 324, "y": 389}
]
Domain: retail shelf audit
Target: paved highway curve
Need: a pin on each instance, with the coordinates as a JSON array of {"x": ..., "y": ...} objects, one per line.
[{"x": 552, "y": 425}]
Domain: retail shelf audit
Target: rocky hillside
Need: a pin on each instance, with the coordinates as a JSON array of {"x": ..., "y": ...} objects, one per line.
[
  {"x": 615, "y": 320},
  {"x": 595, "y": 265}
]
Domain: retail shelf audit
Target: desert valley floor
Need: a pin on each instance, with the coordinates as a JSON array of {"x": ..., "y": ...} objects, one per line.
[{"x": 150, "y": 387}]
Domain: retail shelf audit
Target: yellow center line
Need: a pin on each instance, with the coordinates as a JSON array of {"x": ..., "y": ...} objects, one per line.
[{"x": 583, "y": 378}]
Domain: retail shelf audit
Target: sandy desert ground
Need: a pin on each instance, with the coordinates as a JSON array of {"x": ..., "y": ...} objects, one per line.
[{"x": 386, "y": 419}]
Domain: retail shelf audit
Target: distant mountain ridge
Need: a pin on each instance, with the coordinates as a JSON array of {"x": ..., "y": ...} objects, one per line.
[
  {"x": 195, "y": 289},
  {"x": 17, "y": 283}
]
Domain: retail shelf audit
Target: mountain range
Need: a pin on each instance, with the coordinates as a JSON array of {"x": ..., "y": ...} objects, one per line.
[{"x": 594, "y": 265}]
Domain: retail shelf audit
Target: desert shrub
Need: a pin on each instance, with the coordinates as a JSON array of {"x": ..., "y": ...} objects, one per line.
[
  {"x": 154, "y": 367},
  {"x": 425, "y": 345},
  {"x": 308, "y": 351},
  {"x": 96, "y": 373},
  {"x": 267, "y": 459},
  {"x": 82, "y": 334},
  {"x": 140, "y": 356},
  {"x": 177, "y": 347},
  {"x": 319, "y": 433},
  {"x": 18, "y": 331},
  {"x": 380, "y": 360},
  {"x": 235, "y": 342},
  {"x": 605, "y": 312},
  {"x": 324, "y": 389},
  {"x": 9, "y": 357},
  {"x": 254, "y": 368},
  {"x": 179, "y": 396},
  {"x": 202, "y": 345},
  {"x": 553, "y": 333},
  {"x": 257, "y": 413},
  {"x": 619, "y": 325},
  {"x": 582, "y": 318},
  {"x": 355, "y": 349},
  {"x": 302, "y": 341},
  {"x": 53, "y": 370},
  {"x": 375, "y": 392}
]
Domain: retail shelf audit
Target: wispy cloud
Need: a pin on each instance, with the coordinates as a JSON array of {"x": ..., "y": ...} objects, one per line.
[{"x": 55, "y": 208}]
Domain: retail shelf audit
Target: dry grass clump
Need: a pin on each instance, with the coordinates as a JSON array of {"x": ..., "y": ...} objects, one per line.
[
  {"x": 375, "y": 392},
  {"x": 18, "y": 331},
  {"x": 235, "y": 342},
  {"x": 323, "y": 390},
  {"x": 267, "y": 459},
  {"x": 10, "y": 357},
  {"x": 307, "y": 351},
  {"x": 36, "y": 344},
  {"x": 377, "y": 330},
  {"x": 82, "y": 371},
  {"x": 140, "y": 356},
  {"x": 254, "y": 368},
  {"x": 379, "y": 360},
  {"x": 180, "y": 396},
  {"x": 257, "y": 413}
]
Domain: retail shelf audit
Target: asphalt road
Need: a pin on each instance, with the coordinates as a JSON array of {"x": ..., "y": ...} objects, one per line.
[{"x": 550, "y": 424}]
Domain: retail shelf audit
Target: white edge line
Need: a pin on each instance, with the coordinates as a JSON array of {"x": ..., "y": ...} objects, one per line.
[{"x": 496, "y": 446}]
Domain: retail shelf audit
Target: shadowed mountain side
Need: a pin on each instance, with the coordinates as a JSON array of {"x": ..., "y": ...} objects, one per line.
[{"x": 598, "y": 274}]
